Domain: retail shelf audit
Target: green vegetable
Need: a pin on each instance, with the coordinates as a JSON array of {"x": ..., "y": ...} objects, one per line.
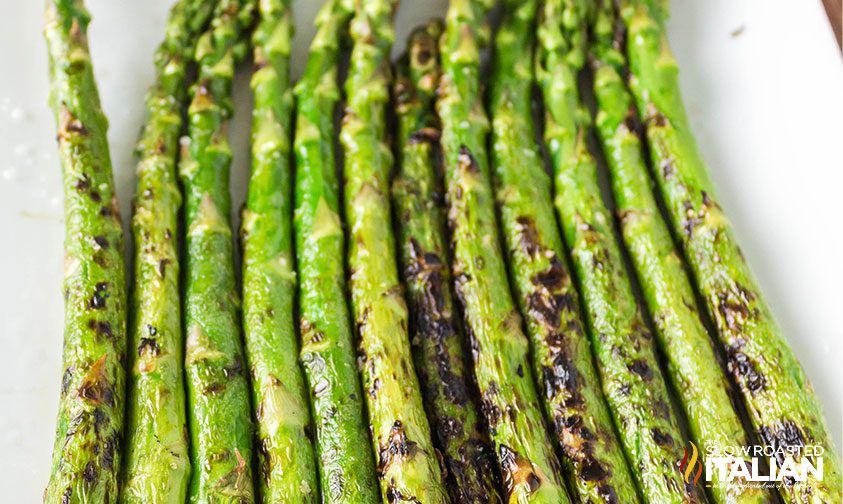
[
  {"x": 217, "y": 385},
  {"x": 86, "y": 456},
  {"x": 562, "y": 359},
  {"x": 701, "y": 386},
  {"x": 438, "y": 346},
  {"x": 346, "y": 466},
  {"x": 408, "y": 467},
  {"x": 279, "y": 394},
  {"x": 157, "y": 467},
  {"x": 632, "y": 382},
  {"x": 510, "y": 404},
  {"x": 781, "y": 403}
]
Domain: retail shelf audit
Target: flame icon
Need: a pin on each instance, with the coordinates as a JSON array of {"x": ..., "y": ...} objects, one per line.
[{"x": 691, "y": 465}]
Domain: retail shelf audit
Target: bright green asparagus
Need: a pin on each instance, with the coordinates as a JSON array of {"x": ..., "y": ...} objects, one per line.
[
  {"x": 510, "y": 403},
  {"x": 217, "y": 385},
  {"x": 632, "y": 382},
  {"x": 782, "y": 405},
  {"x": 701, "y": 385},
  {"x": 346, "y": 465},
  {"x": 86, "y": 456},
  {"x": 157, "y": 467},
  {"x": 561, "y": 355},
  {"x": 279, "y": 394},
  {"x": 438, "y": 347},
  {"x": 408, "y": 467}
]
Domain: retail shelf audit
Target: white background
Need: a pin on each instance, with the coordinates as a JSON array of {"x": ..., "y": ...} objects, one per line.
[{"x": 762, "y": 79}]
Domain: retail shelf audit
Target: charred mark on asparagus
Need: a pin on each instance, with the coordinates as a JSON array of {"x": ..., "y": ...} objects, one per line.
[
  {"x": 425, "y": 135},
  {"x": 396, "y": 446},
  {"x": 517, "y": 471},
  {"x": 426, "y": 269}
]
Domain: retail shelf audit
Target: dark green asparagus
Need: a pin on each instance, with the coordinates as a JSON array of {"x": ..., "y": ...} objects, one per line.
[
  {"x": 781, "y": 403},
  {"x": 346, "y": 464},
  {"x": 157, "y": 465},
  {"x": 279, "y": 394},
  {"x": 700, "y": 383},
  {"x": 632, "y": 382},
  {"x": 438, "y": 346},
  {"x": 217, "y": 385},
  {"x": 86, "y": 456},
  {"x": 408, "y": 467},
  {"x": 510, "y": 404},
  {"x": 561, "y": 355}
]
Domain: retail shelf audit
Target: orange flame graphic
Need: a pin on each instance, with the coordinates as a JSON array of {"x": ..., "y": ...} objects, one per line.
[{"x": 691, "y": 465}]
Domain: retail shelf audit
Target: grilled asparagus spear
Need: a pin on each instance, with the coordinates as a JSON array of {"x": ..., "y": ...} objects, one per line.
[
  {"x": 438, "y": 346},
  {"x": 279, "y": 395},
  {"x": 86, "y": 456},
  {"x": 561, "y": 356},
  {"x": 156, "y": 467},
  {"x": 346, "y": 465},
  {"x": 218, "y": 391},
  {"x": 701, "y": 385},
  {"x": 510, "y": 404},
  {"x": 779, "y": 397},
  {"x": 407, "y": 464},
  {"x": 632, "y": 381}
]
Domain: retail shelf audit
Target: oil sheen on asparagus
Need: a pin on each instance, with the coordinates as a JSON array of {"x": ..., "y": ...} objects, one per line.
[
  {"x": 157, "y": 466},
  {"x": 701, "y": 385},
  {"x": 510, "y": 404},
  {"x": 561, "y": 355},
  {"x": 782, "y": 405},
  {"x": 623, "y": 346},
  {"x": 287, "y": 468},
  {"x": 347, "y": 470},
  {"x": 86, "y": 456},
  {"x": 408, "y": 467},
  {"x": 217, "y": 385},
  {"x": 439, "y": 348}
]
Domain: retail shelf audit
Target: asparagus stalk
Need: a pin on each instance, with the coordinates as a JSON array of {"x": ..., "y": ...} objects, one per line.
[
  {"x": 438, "y": 346},
  {"x": 629, "y": 371},
  {"x": 218, "y": 391},
  {"x": 700, "y": 383},
  {"x": 157, "y": 467},
  {"x": 346, "y": 469},
  {"x": 86, "y": 456},
  {"x": 561, "y": 357},
  {"x": 407, "y": 464},
  {"x": 779, "y": 397},
  {"x": 510, "y": 404},
  {"x": 279, "y": 394}
]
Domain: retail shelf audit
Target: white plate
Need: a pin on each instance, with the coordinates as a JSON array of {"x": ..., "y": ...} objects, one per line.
[{"x": 762, "y": 80}]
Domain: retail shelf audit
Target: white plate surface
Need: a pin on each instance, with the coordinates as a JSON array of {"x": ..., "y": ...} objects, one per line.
[{"x": 762, "y": 80}]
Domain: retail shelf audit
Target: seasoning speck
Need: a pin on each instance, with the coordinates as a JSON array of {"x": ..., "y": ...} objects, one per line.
[{"x": 738, "y": 31}]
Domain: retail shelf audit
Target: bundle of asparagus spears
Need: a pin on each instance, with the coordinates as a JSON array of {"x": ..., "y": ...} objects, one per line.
[{"x": 446, "y": 314}]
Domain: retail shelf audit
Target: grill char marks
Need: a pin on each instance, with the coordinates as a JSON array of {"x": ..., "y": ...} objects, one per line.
[
  {"x": 552, "y": 305},
  {"x": 440, "y": 349},
  {"x": 448, "y": 393},
  {"x": 517, "y": 470}
]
